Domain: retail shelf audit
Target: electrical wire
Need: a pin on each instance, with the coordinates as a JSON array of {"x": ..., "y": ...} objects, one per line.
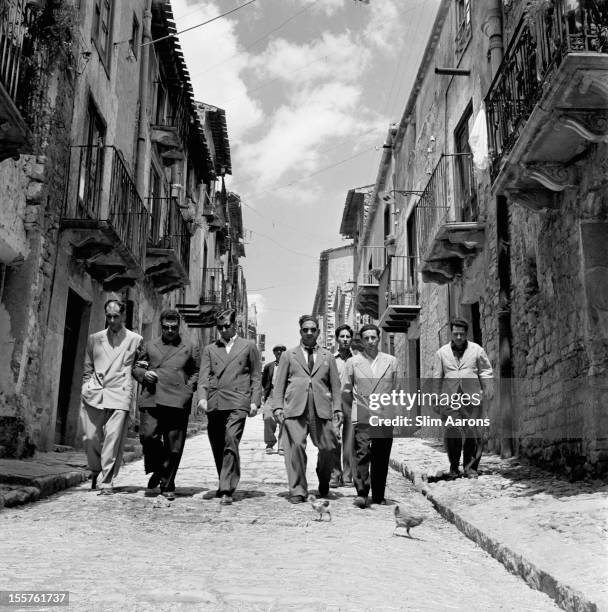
[{"x": 198, "y": 25}]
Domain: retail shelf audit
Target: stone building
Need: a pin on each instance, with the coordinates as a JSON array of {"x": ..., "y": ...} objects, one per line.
[
  {"x": 495, "y": 176},
  {"x": 333, "y": 305},
  {"x": 124, "y": 197}
]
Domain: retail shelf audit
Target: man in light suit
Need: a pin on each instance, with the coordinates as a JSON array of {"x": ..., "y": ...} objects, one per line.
[
  {"x": 270, "y": 425},
  {"x": 230, "y": 389},
  {"x": 463, "y": 367},
  {"x": 107, "y": 390},
  {"x": 168, "y": 371},
  {"x": 369, "y": 372},
  {"x": 306, "y": 398}
]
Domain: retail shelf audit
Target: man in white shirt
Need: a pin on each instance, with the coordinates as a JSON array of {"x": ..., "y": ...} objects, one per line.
[{"x": 369, "y": 372}]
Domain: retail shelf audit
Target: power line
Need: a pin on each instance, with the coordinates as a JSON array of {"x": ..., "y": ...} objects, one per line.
[
  {"x": 282, "y": 246},
  {"x": 198, "y": 25}
]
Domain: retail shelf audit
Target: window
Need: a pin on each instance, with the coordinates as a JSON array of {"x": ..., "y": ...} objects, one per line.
[
  {"x": 101, "y": 28},
  {"x": 134, "y": 40},
  {"x": 463, "y": 25},
  {"x": 91, "y": 163},
  {"x": 466, "y": 194}
]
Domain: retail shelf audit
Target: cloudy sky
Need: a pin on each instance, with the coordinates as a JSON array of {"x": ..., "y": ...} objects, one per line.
[{"x": 310, "y": 88}]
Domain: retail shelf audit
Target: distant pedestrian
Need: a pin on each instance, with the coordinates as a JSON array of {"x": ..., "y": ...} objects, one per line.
[
  {"x": 306, "y": 398},
  {"x": 107, "y": 391},
  {"x": 369, "y": 372},
  {"x": 342, "y": 469},
  {"x": 269, "y": 375},
  {"x": 230, "y": 390},
  {"x": 463, "y": 367},
  {"x": 168, "y": 371}
]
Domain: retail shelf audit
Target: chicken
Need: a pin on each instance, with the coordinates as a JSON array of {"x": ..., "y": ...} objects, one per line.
[
  {"x": 405, "y": 519},
  {"x": 320, "y": 506}
]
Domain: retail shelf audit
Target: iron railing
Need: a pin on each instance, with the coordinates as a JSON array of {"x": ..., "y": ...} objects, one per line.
[
  {"x": 372, "y": 260},
  {"x": 16, "y": 16},
  {"x": 402, "y": 286},
  {"x": 213, "y": 291},
  {"x": 100, "y": 188},
  {"x": 450, "y": 195},
  {"x": 537, "y": 48},
  {"x": 178, "y": 234}
]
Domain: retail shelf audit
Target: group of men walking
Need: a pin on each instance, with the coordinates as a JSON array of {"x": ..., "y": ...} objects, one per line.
[{"x": 307, "y": 391}]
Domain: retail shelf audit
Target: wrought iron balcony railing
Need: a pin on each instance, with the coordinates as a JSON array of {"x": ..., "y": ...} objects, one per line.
[
  {"x": 100, "y": 188},
  {"x": 402, "y": 286},
  {"x": 536, "y": 50},
  {"x": 372, "y": 260},
  {"x": 450, "y": 195},
  {"x": 213, "y": 291},
  {"x": 16, "y": 17}
]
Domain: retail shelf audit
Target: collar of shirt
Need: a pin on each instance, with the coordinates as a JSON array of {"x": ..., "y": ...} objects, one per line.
[
  {"x": 459, "y": 352},
  {"x": 228, "y": 343},
  {"x": 118, "y": 336},
  {"x": 315, "y": 349},
  {"x": 338, "y": 356}
]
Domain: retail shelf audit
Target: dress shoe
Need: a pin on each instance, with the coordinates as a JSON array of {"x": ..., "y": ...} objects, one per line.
[
  {"x": 281, "y": 452},
  {"x": 379, "y": 503},
  {"x": 106, "y": 491},
  {"x": 360, "y": 502},
  {"x": 297, "y": 499},
  {"x": 226, "y": 500},
  {"x": 154, "y": 481},
  {"x": 269, "y": 450},
  {"x": 335, "y": 483},
  {"x": 94, "y": 481},
  {"x": 170, "y": 495},
  {"x": 471, "y": 474},
  {"x": 453, "y": 475}
]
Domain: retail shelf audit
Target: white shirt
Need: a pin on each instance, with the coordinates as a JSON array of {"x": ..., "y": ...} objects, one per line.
[
  {"x": 228, "y": 344},
  {"x": 315, "y": 348}
]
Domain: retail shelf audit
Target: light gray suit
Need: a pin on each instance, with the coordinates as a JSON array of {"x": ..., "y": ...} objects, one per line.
[{"x": 106, "y": 394}]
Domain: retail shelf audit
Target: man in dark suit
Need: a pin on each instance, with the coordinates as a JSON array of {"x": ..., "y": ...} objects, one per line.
[
  {"x": 270, "y": 424},
  {"x": 168, "y": 372},
  {"x": 306, "y": 398},
  {"x": 230, "y": 389}
]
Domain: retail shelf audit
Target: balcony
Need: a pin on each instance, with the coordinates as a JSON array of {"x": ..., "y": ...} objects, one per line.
[
  {"x": 170, "y": 133},
  {"x": 236, "y": 297},
  {"x": 448, "y": 231},
  {"x": 105, "y": 216},
  {"x": 547, "y": 102},
  {"x": 168, "y": 249},
  {"x": 399, "y": 303},
  {"x": 211, "y": 300},
  {"x": 15, "y": 47},
  {"x": 371, "y": 264}
]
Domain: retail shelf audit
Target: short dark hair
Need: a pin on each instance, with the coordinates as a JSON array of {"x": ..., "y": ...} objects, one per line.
[
  {"x": 356, "y": 345},
  {"x": 305, "y": 318},
  {"x": 368, "y": 327},
  {"x": 459, "y": 323},
  {"x": 341, "y": 328},
  {"x": 170, "y": 314},
  {"x": 121, "y": 305},
  {"x": 279, "y": 347},
  {"x": 228, "y": 313}
]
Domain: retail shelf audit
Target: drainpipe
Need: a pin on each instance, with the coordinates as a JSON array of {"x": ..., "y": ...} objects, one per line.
[
  {"x": 492, "y": 28},
  {"x": 144, "y": 90}
]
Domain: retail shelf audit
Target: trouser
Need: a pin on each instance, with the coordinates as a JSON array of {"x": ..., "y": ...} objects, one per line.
[
  {"x": 270, "y": 427},
  {"x": 104, "y": 432},
  {"x": 162, "y": 433},
  {"x": 225, "y": 429},
  {"x": 322, "y": 434},
  {"x": 471, "y": 449},
  {"x": 342, "y": 469},
  {"x": 371, "y": 456}
]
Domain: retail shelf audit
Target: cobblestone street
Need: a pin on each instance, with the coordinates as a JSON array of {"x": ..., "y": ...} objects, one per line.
[{"x": 262, "y": 553}]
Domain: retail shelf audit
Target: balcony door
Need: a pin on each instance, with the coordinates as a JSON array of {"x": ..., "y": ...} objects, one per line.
[
  {"x": 466, "y": 194},
  {"x": 91, "y": 165}
]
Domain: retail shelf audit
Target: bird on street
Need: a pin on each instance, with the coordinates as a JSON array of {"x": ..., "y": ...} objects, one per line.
[
  {"x": 320, "y": 506},
  {"x": 406, "y": 520}
]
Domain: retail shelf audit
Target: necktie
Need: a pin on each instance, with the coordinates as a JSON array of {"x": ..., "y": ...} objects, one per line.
[{"x": 311, "y": 359}]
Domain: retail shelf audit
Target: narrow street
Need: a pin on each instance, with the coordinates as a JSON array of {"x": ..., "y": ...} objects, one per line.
[{"x": 121, "y": 552}]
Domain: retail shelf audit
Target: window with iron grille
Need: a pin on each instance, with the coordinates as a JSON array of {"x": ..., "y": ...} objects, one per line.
[
  {"x": 101, "y": 32},
  {"x": 463, "y": 25}
]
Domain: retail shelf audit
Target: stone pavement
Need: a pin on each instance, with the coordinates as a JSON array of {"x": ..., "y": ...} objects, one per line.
[
  {"x": 27, "y": 480},
  {"x": 130, "y": 552},
  {"x": 551, "y": 532}
]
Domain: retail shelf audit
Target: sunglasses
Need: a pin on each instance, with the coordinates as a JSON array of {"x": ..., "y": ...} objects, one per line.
[
  {"x": 170, "y": 327},
  {"x": 226, "y": 326}
]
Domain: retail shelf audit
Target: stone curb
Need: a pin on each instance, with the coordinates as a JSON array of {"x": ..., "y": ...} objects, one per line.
[
  {"x": 566, "y": 597},
  {"x": 33, "y": 489}
]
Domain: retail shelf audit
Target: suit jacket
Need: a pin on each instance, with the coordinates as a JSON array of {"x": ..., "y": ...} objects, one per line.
[
  {"x": 267, "y": 375},
  {"x": 472, "y": 373},
  {"x": 177, "y": 367},
  {"x": 359, "y": 379},
  {"x": 230, "y": 381},
  {"x": 290, "y": 391},
  {"x": 107, "y": 380}
]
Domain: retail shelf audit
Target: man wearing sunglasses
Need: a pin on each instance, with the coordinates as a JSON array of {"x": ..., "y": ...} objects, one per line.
[
  {"x": 168, "y": 373},
  {"x": 230, "y": 389}
]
